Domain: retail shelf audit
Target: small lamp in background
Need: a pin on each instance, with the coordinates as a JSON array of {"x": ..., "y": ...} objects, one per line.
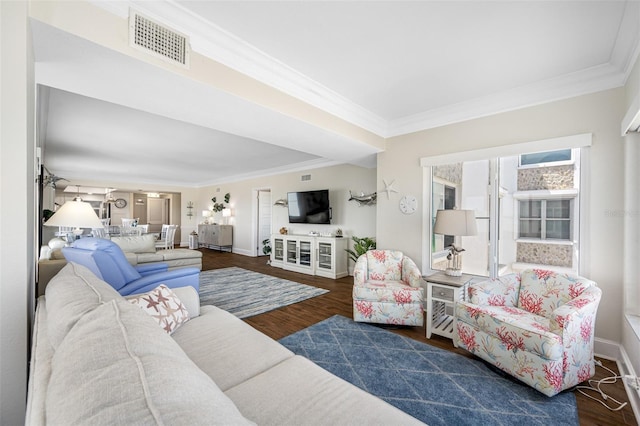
[
  {"x": 206, "y": 214},
  {"x": 226, "y": 213},
  {"x": 75, "y": 214},
  {"x": 459, "y": 223}
]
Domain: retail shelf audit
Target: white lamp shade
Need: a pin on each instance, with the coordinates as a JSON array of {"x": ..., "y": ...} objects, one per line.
[
  {"x": 206, "y": 213},
  {"x": 455, "y": 222},
  {"x": 226, "y": 212},
  {"x": 77, "y": 214}
]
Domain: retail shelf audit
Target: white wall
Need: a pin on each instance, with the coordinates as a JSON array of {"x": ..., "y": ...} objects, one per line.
[
  {"x": 631, "y": 337},
  {"x": 347, "y": 215},
  {"x": 599, "y": 114},
  {"x": 17, "y": 210}
]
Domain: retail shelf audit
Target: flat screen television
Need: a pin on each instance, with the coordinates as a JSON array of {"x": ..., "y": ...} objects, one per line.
[{"x": 309, "y": 207}]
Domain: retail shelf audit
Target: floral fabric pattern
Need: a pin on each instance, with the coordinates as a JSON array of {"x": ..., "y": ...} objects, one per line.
[
  {"x": 536, "y": 326},
  {"x": 387, "y": 289}
]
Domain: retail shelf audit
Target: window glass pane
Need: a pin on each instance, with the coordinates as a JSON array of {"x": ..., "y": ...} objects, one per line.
[
  {"x": 531, "y": 209},
  {"x": 559, "y": 209},
  {"x": 530, "y": 228},
  {"x": 558, "y": 229},
  {"x": 545, "y": 157}
]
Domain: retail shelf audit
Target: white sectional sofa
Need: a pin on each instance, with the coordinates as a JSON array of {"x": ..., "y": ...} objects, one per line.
[
  {"x": 138, "y": 250},
  {"x": 99, "y": 359}
]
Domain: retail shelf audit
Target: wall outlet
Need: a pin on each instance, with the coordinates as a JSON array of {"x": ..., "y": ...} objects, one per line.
[{"x": 633, "y": 382}]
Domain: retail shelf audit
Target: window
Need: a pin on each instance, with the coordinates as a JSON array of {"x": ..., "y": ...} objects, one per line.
[
  {"x": 541, "y": 158},
  {"x": 526, "y": 216},
  {"x": 545, "y": 219}
]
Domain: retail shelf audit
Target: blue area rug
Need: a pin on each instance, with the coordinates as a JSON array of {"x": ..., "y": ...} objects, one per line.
[
  {"x": 246, "y": 293},
  {"x": 436, "y": 386}
]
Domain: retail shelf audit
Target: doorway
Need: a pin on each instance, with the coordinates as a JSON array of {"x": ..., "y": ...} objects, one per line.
[{"x": 157, "y": 213}]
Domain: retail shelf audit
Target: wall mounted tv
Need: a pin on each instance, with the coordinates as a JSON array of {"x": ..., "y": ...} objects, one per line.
[{"x": 309, "y": 207}]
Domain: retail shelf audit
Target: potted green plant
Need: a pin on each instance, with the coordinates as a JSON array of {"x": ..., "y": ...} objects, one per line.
[
  {"x": 266, "y": 246},
  {"x": 360, "y": 247}
]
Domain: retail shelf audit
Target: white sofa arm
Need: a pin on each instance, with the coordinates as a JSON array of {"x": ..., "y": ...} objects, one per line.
[{"x": 189, "y": 296}]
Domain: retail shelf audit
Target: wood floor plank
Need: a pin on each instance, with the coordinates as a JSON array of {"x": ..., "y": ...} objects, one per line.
[{"x": 289, "y": 319}]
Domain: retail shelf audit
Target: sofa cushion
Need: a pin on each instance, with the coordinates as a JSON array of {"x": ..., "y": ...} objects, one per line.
[
  {"x": 148, "y": 257},
  {"x": 116, "y": 366},
  {"x": 163, "y": 306},
  {"x": 515, "y": 328},
  {"x": 225, "y": 348},
  {"x": 542, "y": 292},
  {"x": 298, "y": 392},
  {"x": 74, "y": 291},
  {"x": 179, "y": 254},
  {"x": 388, "y": 291},
  {"x": 136, "y": 243},
  {"x": 384, "y": 265}
]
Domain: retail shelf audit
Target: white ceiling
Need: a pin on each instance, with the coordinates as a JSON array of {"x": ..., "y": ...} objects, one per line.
[{"x": 389, "y": 67}]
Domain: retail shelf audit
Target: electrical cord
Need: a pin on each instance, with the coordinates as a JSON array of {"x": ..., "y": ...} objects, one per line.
[{"x": 594, "y": 386}]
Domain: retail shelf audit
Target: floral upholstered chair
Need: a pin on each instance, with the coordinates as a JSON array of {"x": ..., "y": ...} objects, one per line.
[
  {"x": 537, "y": 326},
  {"x": 387, "y": 289}
]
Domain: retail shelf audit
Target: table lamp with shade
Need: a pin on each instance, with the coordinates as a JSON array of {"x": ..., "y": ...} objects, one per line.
[
  {"x": 459, "y": 223},
  {"x": 75, "y": 214},
  {"x": 226, "y": 214}
]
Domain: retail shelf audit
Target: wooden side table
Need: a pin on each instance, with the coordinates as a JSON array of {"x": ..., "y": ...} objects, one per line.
[{"x": 442, "y": 293}]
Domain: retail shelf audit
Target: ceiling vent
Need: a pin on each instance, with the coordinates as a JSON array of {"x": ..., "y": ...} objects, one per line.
[{"x": 152, "y": 37}]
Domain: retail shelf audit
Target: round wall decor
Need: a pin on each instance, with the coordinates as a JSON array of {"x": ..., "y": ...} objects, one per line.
[
  {"x": 120, "y": 203},
  {"x": 408, "y": 204}
]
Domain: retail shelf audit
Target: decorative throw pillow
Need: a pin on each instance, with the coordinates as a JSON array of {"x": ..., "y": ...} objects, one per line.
[{"x": 164, "y": 306}]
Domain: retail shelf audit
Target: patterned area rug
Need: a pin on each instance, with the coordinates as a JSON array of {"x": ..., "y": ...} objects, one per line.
[
  {"x": 246, "y": 293},
  {"x": 436, "y": 386}
]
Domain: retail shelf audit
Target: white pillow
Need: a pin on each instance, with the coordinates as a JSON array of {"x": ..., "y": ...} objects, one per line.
[{"x": 164, "y": 306}]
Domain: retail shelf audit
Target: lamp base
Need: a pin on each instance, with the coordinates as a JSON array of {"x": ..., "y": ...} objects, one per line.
[{"x": 453, "y": 272}]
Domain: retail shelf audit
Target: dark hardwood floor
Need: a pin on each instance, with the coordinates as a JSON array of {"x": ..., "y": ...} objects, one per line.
[{"x": 289, "y": 319}]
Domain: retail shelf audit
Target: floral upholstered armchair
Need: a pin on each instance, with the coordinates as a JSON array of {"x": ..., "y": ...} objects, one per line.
[
  {"x": 537, "y": 326},
  {"x": 387, "y": 289}
]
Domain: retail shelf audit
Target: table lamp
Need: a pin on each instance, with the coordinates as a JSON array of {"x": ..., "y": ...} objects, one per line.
[
  {"x": 75, "y": 214},
  {"x": 226, "y": 214},
  {"x": 458, "y": 223}
]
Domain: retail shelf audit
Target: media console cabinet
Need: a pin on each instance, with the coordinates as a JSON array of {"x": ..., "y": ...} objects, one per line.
[{"x": 322, "y": 256}]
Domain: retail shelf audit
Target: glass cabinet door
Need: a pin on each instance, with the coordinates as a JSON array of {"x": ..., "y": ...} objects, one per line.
[
  {"x": 305, "y": 253},
  {"x": 278, "y": 249},
  {"x": 292, "y": 252},
  {"x": 324, "y": 256}
]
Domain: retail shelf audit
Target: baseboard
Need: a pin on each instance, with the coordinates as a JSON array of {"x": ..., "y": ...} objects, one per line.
[
  {"x": 242, "y": 252},
  {"x": 626, "y": 369},
  {"x": 615, "y": 352}
]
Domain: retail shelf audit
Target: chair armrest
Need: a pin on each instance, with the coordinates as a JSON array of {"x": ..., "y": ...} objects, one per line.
[
  {"x": 502, "y": 291},
  {"x": 411, "y": 273},
  {"x": 577, "y": 316},
  {"x": 360, "y": 274},
  {"x": 172, "y": 279},
  {"x": 151, "y": 268}
]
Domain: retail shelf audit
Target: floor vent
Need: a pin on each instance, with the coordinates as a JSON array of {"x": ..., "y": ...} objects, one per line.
[
  {"x": 305, "y": 177},
  {"x": 157, "y": 39}
]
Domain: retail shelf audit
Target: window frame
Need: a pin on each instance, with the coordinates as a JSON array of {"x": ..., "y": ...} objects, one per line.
[
  {"x": 544, "y": 219},
  {"x": 580, "y": 227}
]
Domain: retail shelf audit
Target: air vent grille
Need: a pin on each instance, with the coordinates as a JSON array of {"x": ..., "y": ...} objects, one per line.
[
  {"x": 152, "y": 37},
  {"x": 305, "y": 177}
]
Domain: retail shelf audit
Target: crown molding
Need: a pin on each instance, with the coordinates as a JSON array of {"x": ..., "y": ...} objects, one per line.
[
  {"x": 593, "y": 80},
  {"x": 291, "y": 168},
  {"x": 220, "y": 45}
]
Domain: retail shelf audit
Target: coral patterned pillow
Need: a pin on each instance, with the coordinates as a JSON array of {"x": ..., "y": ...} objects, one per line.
[{"x": 164, "y": 306}]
